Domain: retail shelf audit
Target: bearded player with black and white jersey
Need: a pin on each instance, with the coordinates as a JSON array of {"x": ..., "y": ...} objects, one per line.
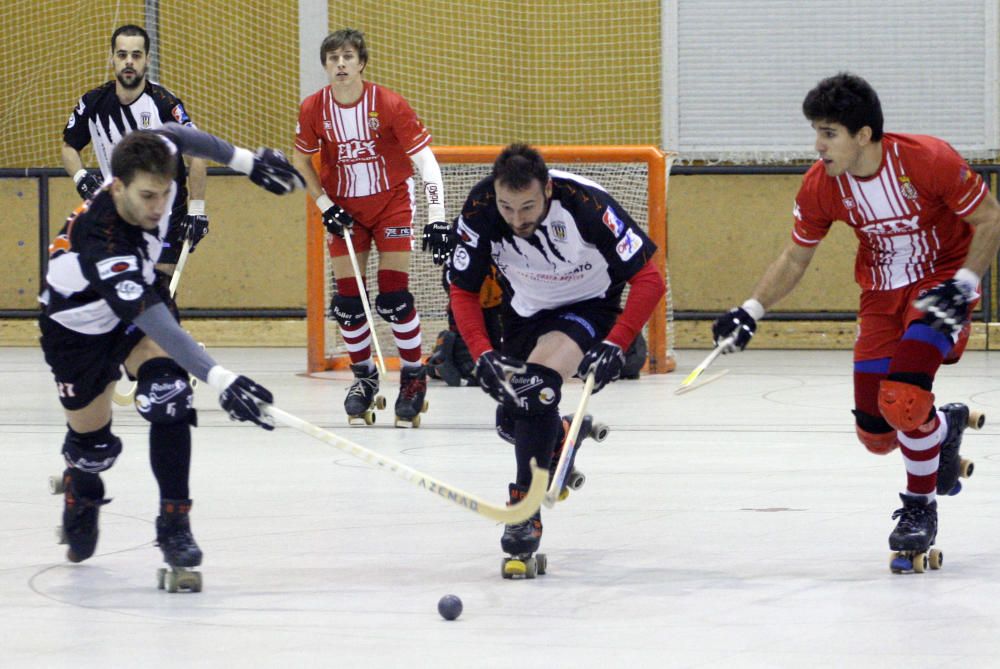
[
  {"x": 103, "y": 308},
  {"x": 131, "y": 101},
  {"x": 564, "y": 250}
]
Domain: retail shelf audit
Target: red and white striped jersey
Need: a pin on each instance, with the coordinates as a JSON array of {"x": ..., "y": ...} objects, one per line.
[
  {"x": 907, "y": 217},
  {"x": 366, "y": 146}
]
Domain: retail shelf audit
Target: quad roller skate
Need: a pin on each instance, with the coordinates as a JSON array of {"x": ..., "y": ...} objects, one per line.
[
  {"x": 80, "y": 513},
  {"x": 588, "y": 428},
  {"x": 362, "y": 397},
  {"x": 914, "y": 535},
  {"x": 521, "y": 541},
  {"x": 412, "y": 389},
  {"x": 180, "y": 552},
  {"x": 952, "y": 465}
]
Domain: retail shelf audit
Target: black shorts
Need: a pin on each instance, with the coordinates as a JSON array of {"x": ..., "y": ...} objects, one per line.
[
  {"x": 84, "y": 365},
  {"x": 586, "y": 323},
  {"x": 174, "y": 240}
]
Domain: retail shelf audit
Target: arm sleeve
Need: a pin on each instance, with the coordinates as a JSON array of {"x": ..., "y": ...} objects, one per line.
[
  {"x": 812, "y": 223},
  {"x": 160, "y": 326},
  {"x": 193, "y": 142},
  {"x": 408, "y": 128},
  {"x": 646, "y": 288},
  {"x": 962, "y": 188},
  {"x": 306, "y": 140},
  {"x": 430, "y": 172},
  {"x": 621, "y": 241},
  {"x": 77, "y": 132},
  {"x": 469, "y": 318}
]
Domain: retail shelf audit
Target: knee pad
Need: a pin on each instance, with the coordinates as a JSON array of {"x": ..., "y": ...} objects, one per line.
[
  {"x": 505, "y": 424},
  {"x": 904, "y": 405},
  {"x": 538, "y": 388},
  {"x": 91, "y": 452},
  {"x": 396, "y": 306},
  {"x": 163, "y": 393},
  {"x": 875, "y": 433},
  {"x": 348, "y": 311}
]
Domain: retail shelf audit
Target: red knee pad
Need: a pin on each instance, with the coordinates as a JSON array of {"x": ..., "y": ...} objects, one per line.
[
  {"x": 904, "y": 405},
  {"x": 879, "y": 444}
]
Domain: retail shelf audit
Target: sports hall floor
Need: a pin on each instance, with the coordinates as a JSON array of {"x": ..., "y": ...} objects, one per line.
[{"x": 740, "y": 525}]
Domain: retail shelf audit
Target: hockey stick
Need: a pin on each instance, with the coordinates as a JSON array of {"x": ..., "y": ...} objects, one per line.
[
  {"x": 364, "y": 300},
  {"x": 569, "y": 445},
  {"x": 126, "y": 398},
  {"x": 696, "y": 372},
  {"x": 508, "y": 515}
]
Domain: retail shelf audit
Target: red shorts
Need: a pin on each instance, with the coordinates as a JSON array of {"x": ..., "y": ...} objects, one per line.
[
  {"x": 386, "y": 218},
  {"x": 884, "y": 316}
]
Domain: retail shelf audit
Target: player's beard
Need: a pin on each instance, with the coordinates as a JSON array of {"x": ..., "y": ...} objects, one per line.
[{"x": 138, "y": 79}]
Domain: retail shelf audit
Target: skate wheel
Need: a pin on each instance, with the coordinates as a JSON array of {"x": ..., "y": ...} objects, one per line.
[
  {"x": 920, "y": 563},
  {"x": 56, "y": 485},
  {"x": 936, "y": 559},
  {"x": 514, "y": 567},
  {"x": 161, "y": 575},
  {"x": 965, "y": 468},
  {"x": 976, "y": 420},
  {"x": 427, "y": 405},
  {"x": 563, "y": 494},
  {"x": 370, "y": 418},
  {"x": 543, "y": 563},
  {"x": 575, "y": 480},
  {"x": 531, "y": 565},
  {"x": 599, "y": 432},
  {"x": 379, "y": 403},
  {"x": 899, "y": 563},
  {"x": 61, "y": 536}
]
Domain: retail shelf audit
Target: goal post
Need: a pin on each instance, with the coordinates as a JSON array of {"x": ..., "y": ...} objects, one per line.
[{"x": 635, "y": 175}]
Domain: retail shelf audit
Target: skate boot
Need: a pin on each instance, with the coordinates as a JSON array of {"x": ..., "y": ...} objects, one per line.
[
  {"x": 412, "y": 389},
  {"x": 362, "y": 397},
  {"x": 520, "y": 541},
  {"x": 914, "y": 535},
  {"x": 951, "y": 466},
  {"x": 180, "y": 552},
  {"x": 80, "y": 513},
  {"x": 574, "y": 477}
]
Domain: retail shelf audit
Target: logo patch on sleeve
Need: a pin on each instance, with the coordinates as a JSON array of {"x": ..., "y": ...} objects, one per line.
[
  {"x": 467, "y": 235},
  {"x": 111, "y": 266},
  {"x": 128, "y": 290},
  {"x": 179, "y": 114},
  {"x": 613, "y": 223},
  {"x": 461, "y": 259},
  {"x": 629, "y": 245}
]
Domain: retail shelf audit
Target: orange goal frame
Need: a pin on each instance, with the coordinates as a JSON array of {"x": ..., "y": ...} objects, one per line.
[{"x": 660, "y": 360}]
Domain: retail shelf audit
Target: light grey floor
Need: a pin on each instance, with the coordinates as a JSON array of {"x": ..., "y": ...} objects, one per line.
[{"x": 740, "y": 525}]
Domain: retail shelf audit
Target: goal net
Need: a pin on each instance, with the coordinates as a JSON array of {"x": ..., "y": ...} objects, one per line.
[{"x": 636, "y": 176}]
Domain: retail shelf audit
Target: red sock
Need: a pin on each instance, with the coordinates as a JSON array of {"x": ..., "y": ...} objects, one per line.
[
  {"x": 407, "y": 331},
  {"x": 921, "y": 450},
  {"x": 358, "y": 338}
]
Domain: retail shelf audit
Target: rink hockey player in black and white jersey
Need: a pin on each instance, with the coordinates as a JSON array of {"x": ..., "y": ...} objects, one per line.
[
  {"x": 564, "y": 250},
  {"x": 104, "y": 115},
  {"x": 102, "y": 308}
]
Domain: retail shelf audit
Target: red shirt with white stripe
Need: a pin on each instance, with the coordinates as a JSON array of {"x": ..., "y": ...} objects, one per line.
[
  {"x": 907, "y": 216},
  {"x": 366, "y": 145}
]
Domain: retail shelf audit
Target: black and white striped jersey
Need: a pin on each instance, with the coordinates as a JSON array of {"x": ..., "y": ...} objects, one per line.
[
  {"x": 586, "y": 247},
  {"x": 100, "y": 118}
]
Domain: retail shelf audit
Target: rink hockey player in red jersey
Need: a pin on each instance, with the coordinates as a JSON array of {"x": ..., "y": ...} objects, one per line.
[
  {"x": 564, "y": 250},
  {"x": 928, "y": 228}
]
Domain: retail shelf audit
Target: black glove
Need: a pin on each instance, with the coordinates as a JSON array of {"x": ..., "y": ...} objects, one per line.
[
  {"x": 493, "y": 374},
  {"x": 272, "y": 171},
  {"x": 735, "y": 321},
  {"x": 605, "y": 360},
  {"x": 88, "y": 186},
  {"x": 440, "y": 239},
  {"x": 947, "y": 305},
  {"x": 242, "y": 399},
  {"x": 336, "y": 219},
  {"x": 194, "y": 228}
]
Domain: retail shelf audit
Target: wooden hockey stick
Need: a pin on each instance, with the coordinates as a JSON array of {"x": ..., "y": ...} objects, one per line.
[
  {"x": 364, "y": 301},
  {"x": 696, "y": 372},
  {"x": 508, "y": 515},
  {"x": 569, "y": 445},
  {"x": 126, "y": 398}
]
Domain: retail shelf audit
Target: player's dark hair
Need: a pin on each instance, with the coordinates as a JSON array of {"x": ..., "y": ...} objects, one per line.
[
  {"x": 142, "y": 151},
  {"x": 846, "y": 99},
  {"x": 130, "y": 30},
  {"x": 338, "y": 39},
  {"x": 518, "y": 165}
]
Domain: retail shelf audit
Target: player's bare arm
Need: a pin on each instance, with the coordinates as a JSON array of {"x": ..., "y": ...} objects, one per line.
[
  {"x": 784, "y": 274},
  {"x": 985, "y": 221}
]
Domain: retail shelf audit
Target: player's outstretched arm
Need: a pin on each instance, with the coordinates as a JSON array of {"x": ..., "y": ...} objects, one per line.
[{"x": 437, "y": 230}]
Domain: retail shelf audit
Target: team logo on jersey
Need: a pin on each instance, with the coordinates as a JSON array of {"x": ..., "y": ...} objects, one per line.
[
  {"x": 965, "y": 173},
  {"x": 907, "y": 188},
  {"x": 116, "y": 265},
  {"x": 355, "y": 149},
  {"x": 893, "y": 226},
  {"x": 614, "y": 223},
  {"x": 72, "y": 120},
  {"x": 373, "y": 121},
  {"x": 59, "y": 246},
  {"x": 460, "y": 260},
  {"x": 559, "y": 230},
  {"x": 179, "y": 114},
  {"x": 849, "y": 202},
  {"x": 629, "y": 245},
  {"x": 397, "y": 233},
  {"x": 327, "y": 125},
  {"x": 128, "y": 290},
  {"x": 145, "y": 119},
  {"x": 467, "y": 234}
]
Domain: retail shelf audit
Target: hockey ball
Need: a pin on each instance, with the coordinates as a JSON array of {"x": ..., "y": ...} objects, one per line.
[{"x": 450, "y": 607}]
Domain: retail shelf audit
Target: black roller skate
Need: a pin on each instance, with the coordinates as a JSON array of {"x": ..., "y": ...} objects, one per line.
[
  {"x": 362, "y": 397},
  {"x": 914, "y": 535},
  {"x": 180, "y": 552},
  {"x": 412, "y": 389},
  {"x": 952, "y": 465},
  {"x": 574, "y": 477},
  {"x": 80, "y": 512},
  {"x": 520, "y": 541}
]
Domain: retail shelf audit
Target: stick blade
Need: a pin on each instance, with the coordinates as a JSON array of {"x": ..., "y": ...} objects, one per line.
[{"x": 703, "y": 382}]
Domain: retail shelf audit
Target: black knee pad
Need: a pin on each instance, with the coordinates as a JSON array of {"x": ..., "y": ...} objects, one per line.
[
  {"x": 348, "y": 311},
  {"x": 395, "y": 306},
  {"x": 538, "y": 389},
  {"x": 91, "y": 452},
  {"x": 505, "y": 424},
  {"x": 163, "y": 393}
]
